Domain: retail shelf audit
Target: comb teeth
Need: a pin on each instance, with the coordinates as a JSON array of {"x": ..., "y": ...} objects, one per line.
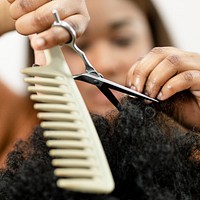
[{"x": 77, "y": 155}]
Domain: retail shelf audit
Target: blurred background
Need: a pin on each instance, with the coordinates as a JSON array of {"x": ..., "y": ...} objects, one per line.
[{"x": 180, "y": 16}]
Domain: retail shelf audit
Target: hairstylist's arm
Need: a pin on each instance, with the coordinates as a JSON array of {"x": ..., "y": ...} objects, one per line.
[
  {"x": 165, "y": 71},
  {"x": 33, "y": 16},
  {"x": 6, "y": 22}
]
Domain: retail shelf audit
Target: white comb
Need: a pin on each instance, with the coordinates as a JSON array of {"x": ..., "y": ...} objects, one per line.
[{"x": 77, "y": 154}]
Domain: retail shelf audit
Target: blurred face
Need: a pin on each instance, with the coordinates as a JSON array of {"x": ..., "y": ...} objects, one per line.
[{"x": 117, "y": 35}]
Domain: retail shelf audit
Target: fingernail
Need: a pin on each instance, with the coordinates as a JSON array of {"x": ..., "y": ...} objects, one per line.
[
  {"x": 129, "y": 84},
  {"x": 159, "y": 96},
  {"x": 147, "y": 101},
  {"x": 133, "y": 87},
  {"x": 146, "y": 93}
]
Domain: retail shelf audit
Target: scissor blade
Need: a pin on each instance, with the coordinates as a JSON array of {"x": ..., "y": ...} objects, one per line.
[
  {"x": 99, "y": 82},
  {"x": 126, "y": 90},
  {"x": 110, "y": 96}
]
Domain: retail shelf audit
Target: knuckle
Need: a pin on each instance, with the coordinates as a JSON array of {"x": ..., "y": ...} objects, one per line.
[
  {"x": 187, "y": 76},
  {"x": 170, "y": 89},
  {"x": 41, "y": 20},
  {"x": 173, "y": 59},
  {"x": 25, "y": 5},
  {"x": 157, "y": 50},
  {"x": 153, "y": 84}
]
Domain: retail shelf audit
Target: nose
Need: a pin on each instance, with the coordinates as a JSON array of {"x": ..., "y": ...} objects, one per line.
[{"x": 103, "y": 58}]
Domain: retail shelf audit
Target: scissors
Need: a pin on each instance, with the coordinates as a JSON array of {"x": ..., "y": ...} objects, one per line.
[{"x": 93, "y": 77}]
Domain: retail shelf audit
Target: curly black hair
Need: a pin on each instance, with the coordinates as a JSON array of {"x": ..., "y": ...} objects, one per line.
[{"x": 150, "y": 155}]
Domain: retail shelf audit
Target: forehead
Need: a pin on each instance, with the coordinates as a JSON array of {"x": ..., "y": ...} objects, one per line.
[{"x": 108, "y": 11}]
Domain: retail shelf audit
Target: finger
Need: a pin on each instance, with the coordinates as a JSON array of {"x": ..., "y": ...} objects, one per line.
[
  {"x": 183, "y": 81},
  {"x": 21, "y": 7},
  {"x": 58, "y": 35},
  {"x": 161, "y": 74},
  {"x": 39, "y": 57},
  {"x": 42, "y": 18},
  {"x": 146, "y": 66},
  {"x": 128, "y": 81}
]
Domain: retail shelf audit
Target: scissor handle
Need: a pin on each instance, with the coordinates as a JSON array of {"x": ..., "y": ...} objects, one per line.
[
  {"x": 88, "y": 66},
  {"x": 66, "y": 26}
]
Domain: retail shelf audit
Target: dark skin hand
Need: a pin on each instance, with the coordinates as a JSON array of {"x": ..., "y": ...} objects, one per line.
[
  {"x": 165, "y": 71},
  {"x": 33, "y": 16}
]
